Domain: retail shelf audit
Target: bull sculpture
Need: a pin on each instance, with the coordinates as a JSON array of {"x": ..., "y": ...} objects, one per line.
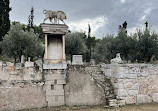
[{"x": 56, "y": 15}]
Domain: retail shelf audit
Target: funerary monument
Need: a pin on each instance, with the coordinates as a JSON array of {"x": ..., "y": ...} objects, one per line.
[{"x": 54, "y": 66}]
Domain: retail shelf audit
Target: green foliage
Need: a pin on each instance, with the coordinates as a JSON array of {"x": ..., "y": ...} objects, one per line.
[
  {"x": 19, "y": 42},
  {"x": 4, "y": 17},
  {"x": 147, "y": 45},
  {"x": 75, "y": 43},
  {"x": 103, "y": 52},
  {"x": 140, "y": 46}
]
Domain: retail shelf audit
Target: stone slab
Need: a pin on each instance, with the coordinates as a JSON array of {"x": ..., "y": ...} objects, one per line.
[
  {"x": 9, "y": 64},
  {"x": 155, "y": 97},
  {"x": 55, "y": 92},
  {"x": 143, "y": 98},
  {"x": 54, "y": 28},
  {"x": 29, "y": 64},
  {"x": 55, "y": 66},
  {"x": 130, "y": 100},
  {"x": 54, "y": 76},
  {"x": 55, "y": 100},
  {"x": 77, "y": 60},
  {"x": 61, "y": 81},
  {"x": 122, "y": 93},
  {"x": 1, "y": 63}
]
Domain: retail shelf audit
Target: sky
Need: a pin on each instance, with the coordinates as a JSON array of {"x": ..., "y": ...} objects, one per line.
[{"x": 104, "y": 16}]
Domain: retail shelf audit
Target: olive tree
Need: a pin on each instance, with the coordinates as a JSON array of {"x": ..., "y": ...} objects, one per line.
[{"x": 19, "y": 42}]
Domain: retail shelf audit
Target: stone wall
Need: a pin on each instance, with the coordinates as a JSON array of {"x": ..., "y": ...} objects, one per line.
[
  {"x": 135, "y": 83},
  {"x": 81, "y": 88},
  {"x": 21, "y": 87}
]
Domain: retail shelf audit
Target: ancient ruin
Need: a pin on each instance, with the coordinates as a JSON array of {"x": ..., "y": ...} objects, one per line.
[{"x": 52, "y": 82}]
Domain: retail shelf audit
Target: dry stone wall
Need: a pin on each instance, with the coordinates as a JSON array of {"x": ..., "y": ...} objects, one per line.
[{"x": 135, "y": 83}]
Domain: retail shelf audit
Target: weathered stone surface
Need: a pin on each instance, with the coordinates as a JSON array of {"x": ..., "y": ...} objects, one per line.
[
  {"x": 55, "y": 100},
  {"x": 29, "y": 64},
  {"x": 61, "y": 81},
  {"x": 92, "y": 62},
  {"x": 155, "y": 97},
  {"x": 77, "y": 60},
  {"x": 54, "y": 28},
  {"x": 81, "y": 89},
  {"x": 54, "y": 76},
  {"x": 55, "y": 92},
  {"x": 133, "y": 92},
  {"x": 9, "y": 64},
  {"x": 122, "y": 92},
  {"x": 54, "y": 66},
  {"x": 116, "y": 103},
  {"x": 117, "y": 60},
  {"x": 128, "y": 85},
  {"x": 130, "y": 100},
  {"x": 1, "y": 63},
  {"x": 119, "y": 85},
  {"x": 22, "y": 98},
  {"x": 143, "y": 99}
]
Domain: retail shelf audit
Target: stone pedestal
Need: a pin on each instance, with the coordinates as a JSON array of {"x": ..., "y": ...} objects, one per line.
[{"x": 54, "y": 67}]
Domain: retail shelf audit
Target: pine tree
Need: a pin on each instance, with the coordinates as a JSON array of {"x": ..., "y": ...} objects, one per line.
[{"x": 4, "y": 18}]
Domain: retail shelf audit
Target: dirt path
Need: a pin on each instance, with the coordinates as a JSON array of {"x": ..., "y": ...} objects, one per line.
[{"x": 145, "y": 107}]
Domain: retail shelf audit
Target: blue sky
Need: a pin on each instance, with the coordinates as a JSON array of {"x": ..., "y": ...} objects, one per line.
[{"x": 104, "y": 16}]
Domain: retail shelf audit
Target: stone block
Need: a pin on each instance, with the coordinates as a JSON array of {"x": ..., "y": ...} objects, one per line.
[
  {"x": 128, "y": 84},
  {"x": 143, "y": 98},
  {"x": 119, "y": 75},
  {"x": 130, "y": 100},
  {"x": 61, "y": 81},
  {"x": 29, "y": 64},
  {"x": 55, "y": 100},
  {"x": 135, "y": 86},
  {"x": 113, "y": 103},
  {"x": 54, "y": 76},
  {"x": 121, "y": 102},
  {"x": 155, "y": 97},
  {"x": 18, "y": 65},
  {"x": 49, "y": 82},
  {"x": 54, "y": 92},
  {"x": 77, "y": 60},
  {"x": 59, "y": 87},
  {"x": 133, "y": 92},
  {"x": 55, "y": 66},
  {"x": 9, "y": 64},
  {"x": 12, "y": 77},
  {"x": 116, "y": 103},
  {"x": 119, "y": 85},
  {"x": 1, "y": 63},
  {"x": 54, "y": 28},
  {"x": 122, "y": 93},
  {"x": 92, "y": 62}
]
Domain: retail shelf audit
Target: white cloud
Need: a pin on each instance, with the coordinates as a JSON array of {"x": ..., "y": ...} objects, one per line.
[
  {"x": 122, "y": 1},
  {"x": 146, "y": 13},
  {"x": 82, "y": 26}
]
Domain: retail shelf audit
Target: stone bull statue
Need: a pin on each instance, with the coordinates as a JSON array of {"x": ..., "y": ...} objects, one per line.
[{"x": 56, "y": 15}]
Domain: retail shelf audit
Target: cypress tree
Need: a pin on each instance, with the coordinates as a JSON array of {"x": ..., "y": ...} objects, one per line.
[
  {"x": 31, "y": 17},
  {"x": 4, "y": 17}
]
